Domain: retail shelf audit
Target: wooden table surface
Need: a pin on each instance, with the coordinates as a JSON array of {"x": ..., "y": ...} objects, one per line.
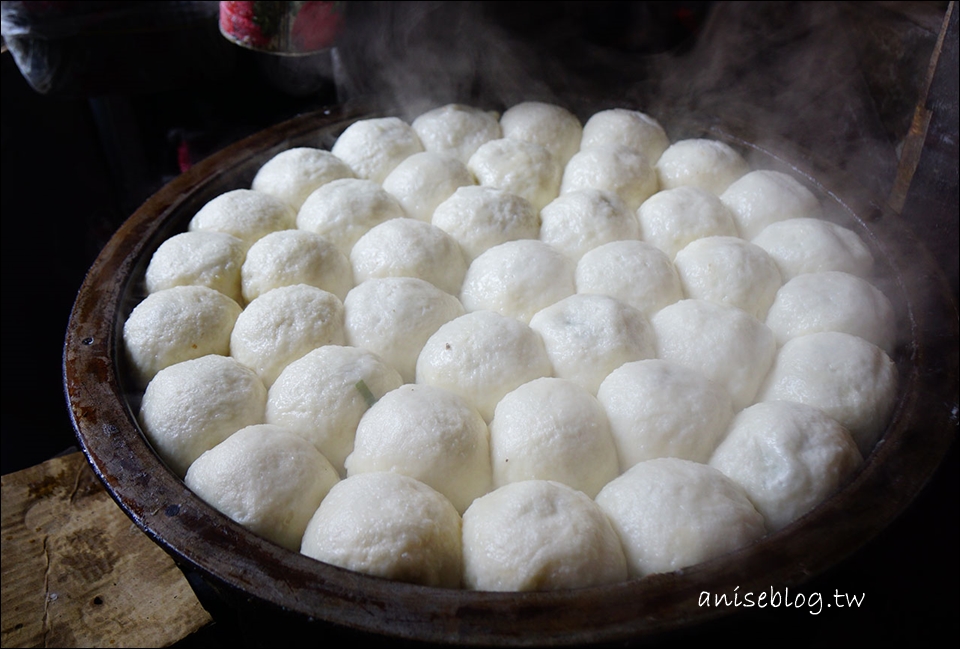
[{"x": 78, "y": 572}]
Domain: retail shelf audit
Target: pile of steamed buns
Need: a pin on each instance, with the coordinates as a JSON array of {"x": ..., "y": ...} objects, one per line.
[{"x": 513, "y": 352}]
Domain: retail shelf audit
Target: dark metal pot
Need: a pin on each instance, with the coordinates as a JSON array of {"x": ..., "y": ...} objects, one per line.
[{"x": 265, "y": 588}]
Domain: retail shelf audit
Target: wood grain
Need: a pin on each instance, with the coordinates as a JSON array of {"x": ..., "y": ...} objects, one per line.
[{"x": 77, "y": 572}]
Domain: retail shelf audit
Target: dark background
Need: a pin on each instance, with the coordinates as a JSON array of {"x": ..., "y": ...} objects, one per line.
[{"x": 130, "y": 98}]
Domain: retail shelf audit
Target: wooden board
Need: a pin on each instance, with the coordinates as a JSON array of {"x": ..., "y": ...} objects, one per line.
[{"x": 77, "y": 572}]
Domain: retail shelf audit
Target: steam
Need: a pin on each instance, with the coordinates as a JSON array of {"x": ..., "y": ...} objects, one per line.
[
  {"x": 774, "y": 72},
  {"x": 788, "y": 69},
  {"x": 412, "y": 56}
]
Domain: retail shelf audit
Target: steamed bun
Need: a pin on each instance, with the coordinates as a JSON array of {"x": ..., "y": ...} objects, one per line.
[
  {"x": 457, "y": 130},
  {"x": 282, "y": 325},
  {"x": 394, "y": 316},
  {"x": 482, "y": 356},
  {"x": 578, "y": 221},
  {"x": 633, "y": 272},
  {"x": 629, "y": 128},
  {"x": 614, "y": 168},
  {"x": 344, "y": 210},
  {"x": 788, "y": 457},
  {"x": 672, "y": 218},
  {"x": 409, "y": 248},
  {"x": 589, "y": 336},
  {"x": 323, "y": 395},
  {"x": 388, "y": 525},
  {"x": 295, "y": 257},
  {"x": 429, "y": 434},
  {"x": 266, "y": 479},
  {"x": 200, "y": 258},
  {"x": 190, "y": 407},
  {"x": 550, "y": 126},
  {"x": 657, "y": 409},
  {"x": 424, "y": 180},
  {"x": 833, "y": 301},
  {"x": 843, "y": 375},
  {"x": 763, "y": 197},
  {"x": 552, "y": 429},
  {"x": 673, "y": 513},
  {"x": 517, "y": 279},
  {"x": 245, "y": 214},
  {"x": 176, "y": 325},
  {"x": 522, "y": 168},
  {"x": 730, "y": 271},
  {"x": 480, "y": 218},
  {"x": 708, "y": 164},
  {"x": 724, "y": 343},
  {"x": 539, "y": 535},
  {"x": 804, "y": 245},
  {"x": 293, "y": 174},
  {"x": 374, "y": 147}
]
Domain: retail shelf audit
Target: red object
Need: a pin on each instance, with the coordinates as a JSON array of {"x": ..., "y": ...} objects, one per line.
[
  {"x": 282, "y": 27},
  {"x": 316, "y": 26},
  {"x": 238, "y": 22},
  {"x": 183, "y": 156}
]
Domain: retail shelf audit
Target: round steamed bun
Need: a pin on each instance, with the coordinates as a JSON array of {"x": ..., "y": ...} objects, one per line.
[
  {"x": 833, "y": 301},
  {"x": 424, "y": 180},
  {"x": 409, "y": 248},
  {"x": 480, "y": 218},
  {"x": 763, "y": 197},
  {"x": 457, "y": 130},
  {"x": 707, "y": 164},
  {"x": 201, "y": 258},
  {"x": 246, "y": 214},
  {"x": 552, "y": 429},
  {"x": 429, "y": 434},
  {"x": 388, "y": 525},
  {"x": 266, "y": 479},
  {"x": 552, "y": 127},
  {"x": 616, "y": 169},
  {"x": 577, "y": 222},
  {"x": 176, "y": 325},
  {"x": 539, "y": 535},
  {"x": 517, "y": 279},
  {"x": 294, "y": 174},
  {"x": 344, "y": 210},
  {"x": 589, "y": 336},
  {"x": 323, "y": 395},
  {"x": 629, "y": 128},
  {"x": 374, "y": 147},
  {"x": 801, "y": 246},
  {"x": 394, "y": 316},
  {"x": 788, "y": 457},
  {"x": 282, "y": 325},
  {"x": 730, "y": 271},
  {"x": 522, "y": 168},
  {"x": 190, "y": 407},
  {"x": 724, "y": 343},
  {"x": 673, "y": 218},
  {"x": 633, "y": 272},
  {"x": 660, "y": 409},
  {"x": 673, "y": 513},
  {"x": 295, "y": 257},
  {"x": 843, "y": 375},
  {"x": 482, "y": 356}
]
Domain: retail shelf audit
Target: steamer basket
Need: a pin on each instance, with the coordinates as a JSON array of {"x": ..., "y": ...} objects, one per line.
[{"x": 268, "y": 590}]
